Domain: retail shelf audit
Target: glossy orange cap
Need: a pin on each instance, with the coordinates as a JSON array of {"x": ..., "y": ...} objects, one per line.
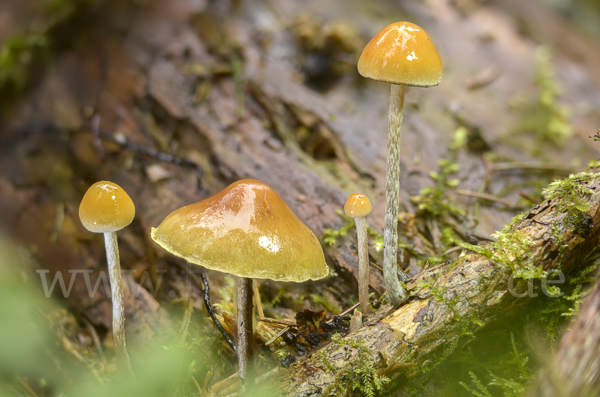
[
  {"x": 106, "y": 207},
  {"x": 357, "y": 205},
  {"x": 401, "y": 53},
  {"x": 246, "y": 230}
]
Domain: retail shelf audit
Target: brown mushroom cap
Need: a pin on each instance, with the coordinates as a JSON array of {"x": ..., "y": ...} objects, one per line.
[
  {"x": 401, "y": 53},
  {"x": 246, "y": 230},
  {"x": 357, "y": 205},
  {"x": 106, "y": 207}
]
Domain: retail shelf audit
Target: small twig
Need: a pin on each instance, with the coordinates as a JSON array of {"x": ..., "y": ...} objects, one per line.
[
  {"x": 527, "y": 196},
  {"x": 212, "y": 313},
  {"x": 287, "y": 323},
  {"x": 259, "y": 308},
  {"x": 483, "y": 78},
  {"x": 200, "y": 391},
  {"x": 59, "y": 220},
  {"x": 185, "y": 323},
  {"x": 26, "y": 387},
  {"x": 209, "y": 308},
  {"x": 343, "y": 313},
  {"x": 376, "y": 266},
  {"x": 401, "y": 275},
  {"x": 489, "y": 197},
  {"x": 273, "y": 339},
  {"x": 96, "y": 340},
  {"x": 451, "y": 250},
  {"x": 160, "y": 156},
  {"x": 533, "y": 166},
  {"x": 347, "y": 311},
  {"x": 435, "y": 233}
]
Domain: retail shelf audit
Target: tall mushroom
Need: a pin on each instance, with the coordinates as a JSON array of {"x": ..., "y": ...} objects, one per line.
[
  {"x": 401, "y": 54},
  {"x": 358, "y": 206},
  {"x": 106, "y": 208},
  {"x": 248, "y": 231}
]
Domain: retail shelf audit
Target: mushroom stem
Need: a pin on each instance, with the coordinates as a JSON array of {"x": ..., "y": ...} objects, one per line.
[
  {"x": 363, "y": 265},
  {"x": 116, "y": 287},
  {"x": 244, "y": 325},
  {"x": 395, "y": 290}
]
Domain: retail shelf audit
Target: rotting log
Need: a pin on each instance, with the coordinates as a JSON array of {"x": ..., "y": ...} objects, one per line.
[
  {"x": 450, "y": 300},
  {"x": 574, "y": 370}
]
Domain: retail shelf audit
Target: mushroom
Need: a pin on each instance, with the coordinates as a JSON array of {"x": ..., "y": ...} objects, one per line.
[
  {"x": 401, "y": 54},
  {"x": 248, "y": 231},
  {"x": 358, "y": 206},
  {"x": 106, "y": 208}
]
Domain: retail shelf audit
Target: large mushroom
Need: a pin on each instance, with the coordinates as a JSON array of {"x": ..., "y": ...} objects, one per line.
[
  {"x": 401, "y": 54},
  {"x": 107, "y": 208},
  {"x": 248, "y": 231}
]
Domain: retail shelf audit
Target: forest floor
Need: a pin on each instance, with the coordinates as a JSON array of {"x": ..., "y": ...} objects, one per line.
[{"x": 174, "y": 100}]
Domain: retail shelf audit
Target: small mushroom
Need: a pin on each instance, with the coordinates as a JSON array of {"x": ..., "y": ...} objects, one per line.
[
  {"x": 106, "y": 208},
  {"x": 358, "y": 206},
  {"x": 356, "y": 320},
  {"x": 248, "y": 231},
  {"x": 401, "y": 54}
]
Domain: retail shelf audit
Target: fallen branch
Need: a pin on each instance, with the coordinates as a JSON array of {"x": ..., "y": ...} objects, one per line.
[{"x": 458, "y": 298}]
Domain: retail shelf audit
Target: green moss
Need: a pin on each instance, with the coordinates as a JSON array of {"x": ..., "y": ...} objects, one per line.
[
  {"x": 25, "y": 52},
  {"x": 570, "y": 194},
  {"x": 465, "y": 324},
  {"x": 331, "y": 236},
  {"x": 438, "y": 293},
  {"x": 16, "y": 56},
  {"x": 594, "y": 163},
  {"x": 545, "y": 117},
  {"x": 437, "y": 204},
  {"x": 435, "y": 199},
  {"x": 512, "y": 250},
  {"x": 514, "y": 385},
  {"x": 331, "y": 307},
  {"x": 551, "y": 317},
  {"x": 359, "y": 377},
  {"x": 477, "y": 388}
]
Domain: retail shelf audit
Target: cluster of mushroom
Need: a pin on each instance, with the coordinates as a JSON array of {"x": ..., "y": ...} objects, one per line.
[
  {"x": 401, "y": 54},
  {"x": 247, "y": 230}
]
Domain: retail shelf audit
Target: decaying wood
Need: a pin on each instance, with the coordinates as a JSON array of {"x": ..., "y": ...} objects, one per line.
[
  {"x": 446, "y": 301},
  {"x": 575, "y": 369}
]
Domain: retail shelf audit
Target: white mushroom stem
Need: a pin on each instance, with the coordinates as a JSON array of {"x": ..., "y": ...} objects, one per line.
[
  {"x": 244, "y": 327},
  {"x": 363, "y": 264},
  {"x": 116, "y": 287},
  {"x": 396, "y": 292}
]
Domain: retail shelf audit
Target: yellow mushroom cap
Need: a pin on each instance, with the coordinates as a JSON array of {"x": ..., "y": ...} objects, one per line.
[
  {"x": 246, "y": 230},
  {"x": 401, "y": 53},
  {"x": 357, "y": 205},
  {"x": 106, "y": 207}
]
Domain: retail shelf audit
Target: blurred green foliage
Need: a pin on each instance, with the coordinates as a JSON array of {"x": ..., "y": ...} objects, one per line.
[
  {"x": 23, "y": 339},
  {"x": 545, "y": 117},
  {"x": 26, "y": 53},
  {"x": 41, "y": 349}
]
